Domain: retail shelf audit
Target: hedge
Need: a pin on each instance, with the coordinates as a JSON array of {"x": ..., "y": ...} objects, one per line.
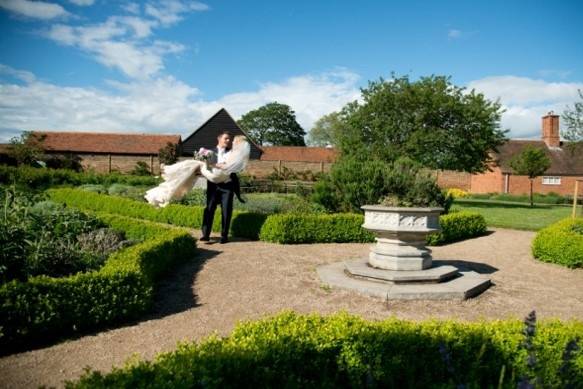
[
  {"x": 341, "y": 228},
  {"x": 458, "y": 226},
  {"x": 243, "y": 224},
  {"x": 291, "y": 350},
  {"x": 44, "y": 178},
  {"x": 561, "y": 243},
  {"x": 44, "y": 308}
]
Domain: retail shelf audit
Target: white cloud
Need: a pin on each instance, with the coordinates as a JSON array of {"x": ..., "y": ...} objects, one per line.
[
  {"x": 170, "y": 11},
  {"x": 526, "y": 100},
  {"x": 133, "y": 8},
  {"x": 82, "y": 3},
  {"x": 119, "y": 43},
  {"x": 161, "y": 105},
  {"x": 34, "y": 9}
]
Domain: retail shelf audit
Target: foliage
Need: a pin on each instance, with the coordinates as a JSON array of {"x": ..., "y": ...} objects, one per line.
[
  {"x": 560, "y": 243},
  {"x": 43, "y": 307},
  {"x": 531, "y": 162},
  {"x": 432, "y": 121},
  {"x": 286, "y": 174},
  {"x": 354, "y": 182},
  {"x": 63, "y": 161},
  {"x": 573, "y": 119},
  {"x": 326, "y": 130},
  {"x": 273, "y": 124},
  {"x": 168, "y": 154},
  {"x": 42, "y": 238},
  {"x": 141, "y": 169},
  {"x": 456, "y": 193},
  {"x": 539, "y": 198},
  {"x": 292, "y": 350},
  {"x": 131, "y": 191},
  {"x": 44, "y": 178},
  {"x": 103, "y": 241},
  {"x": 458, "y": 226},
  {"x": 196, "y": 197},
  {"x": 27, "y": 149}
]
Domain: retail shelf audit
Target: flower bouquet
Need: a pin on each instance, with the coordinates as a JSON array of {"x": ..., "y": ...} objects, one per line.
[{"x": 204, "y": 155}]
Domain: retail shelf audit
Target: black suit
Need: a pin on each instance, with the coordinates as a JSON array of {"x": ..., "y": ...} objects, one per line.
[{"x": 219, "y": 194}]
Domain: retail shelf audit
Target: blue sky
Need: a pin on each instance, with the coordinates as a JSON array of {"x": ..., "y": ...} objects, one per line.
[{"x": 166, "y": 66}]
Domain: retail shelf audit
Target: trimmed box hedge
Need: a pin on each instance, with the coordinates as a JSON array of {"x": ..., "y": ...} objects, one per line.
[
  {"x": 343, "y": 228},
  {"x": 45, "y": 178},
  {"x": 560, "y": 243},
  {"x": 291, "y": 350},
  {"x": 458, "y": 226},
  {"x": 44, "y": 308},
  {"x": 243, "y": 224}
]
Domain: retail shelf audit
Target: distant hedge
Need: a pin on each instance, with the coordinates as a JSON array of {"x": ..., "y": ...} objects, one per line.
[
  {"x": 243, "y": 224},
  {"x": 561, "y": 243},
  {"x": 39, "y": 178},
  {"x": 43, "y": 307},
  {"x": 341, "y": 351}
]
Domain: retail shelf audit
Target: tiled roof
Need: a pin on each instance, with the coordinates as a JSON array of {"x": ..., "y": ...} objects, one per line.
[
  {"x": 566, "y": 160},
  {"x": 95, "y": 142},
  {"x": 298, "y": 154}
]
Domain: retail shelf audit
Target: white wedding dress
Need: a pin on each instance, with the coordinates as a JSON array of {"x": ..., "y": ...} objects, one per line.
[{"x": 181, "y": 177}]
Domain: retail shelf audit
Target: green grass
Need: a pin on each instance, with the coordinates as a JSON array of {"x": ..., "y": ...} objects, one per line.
[{"x": 515, "y": 216}]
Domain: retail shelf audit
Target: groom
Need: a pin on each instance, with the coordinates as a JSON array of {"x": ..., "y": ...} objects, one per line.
[{"x": 219, "y": 193}]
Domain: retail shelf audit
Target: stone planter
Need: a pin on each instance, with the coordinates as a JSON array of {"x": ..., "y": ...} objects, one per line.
[{"x": 400, "y": 236}]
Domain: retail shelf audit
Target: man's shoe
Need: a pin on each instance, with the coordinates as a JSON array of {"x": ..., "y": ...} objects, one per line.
[
  {"x": 204, "y": 239},
  {"x": 224, "y": 240}
]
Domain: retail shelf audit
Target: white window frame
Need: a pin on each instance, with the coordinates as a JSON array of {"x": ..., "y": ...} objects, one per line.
[{"x": 551, "y": 180}]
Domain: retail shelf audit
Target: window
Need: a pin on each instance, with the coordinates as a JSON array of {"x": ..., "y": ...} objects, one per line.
[{"x": 550, "y": 180}]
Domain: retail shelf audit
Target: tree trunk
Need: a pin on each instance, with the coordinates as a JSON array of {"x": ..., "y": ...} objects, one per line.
[{"x": 531, "y": 199}]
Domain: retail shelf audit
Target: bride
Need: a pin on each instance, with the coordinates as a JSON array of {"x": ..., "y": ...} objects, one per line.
[{"x": 181, "y": 177}]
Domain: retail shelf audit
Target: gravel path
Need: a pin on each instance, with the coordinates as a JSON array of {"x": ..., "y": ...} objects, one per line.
[{"x": 248, "y": 280}]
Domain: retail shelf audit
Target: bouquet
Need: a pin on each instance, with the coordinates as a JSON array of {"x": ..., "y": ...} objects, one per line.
[{"x": 203, "y": 155}]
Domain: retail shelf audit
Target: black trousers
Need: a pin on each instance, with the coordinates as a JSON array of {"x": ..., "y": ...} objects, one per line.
[{"x": 218, "y": 194}]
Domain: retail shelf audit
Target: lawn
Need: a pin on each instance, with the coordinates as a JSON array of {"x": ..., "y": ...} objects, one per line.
[{"x": 515, "y": 216}]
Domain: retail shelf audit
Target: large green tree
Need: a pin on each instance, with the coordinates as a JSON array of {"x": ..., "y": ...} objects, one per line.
[
  {"x": 531, "y": 162},
  {"x": 326, "y": 129},
  {"x": 573, "y": 118},
  {"x": 274, "y": 124},
  {"x": 432, "y": 121}
]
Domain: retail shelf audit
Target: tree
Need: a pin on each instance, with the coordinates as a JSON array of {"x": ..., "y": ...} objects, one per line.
[
  {"x": 573, "y": 118},
  {"x": 531, "y": 162},
  {"x": 168, "y": 154},
  {"x": 432, "y": 121},
  {"x": 274, "y": 124},
  {"x": 326, "y": 129},
  {"x": 27, "y": 149}
]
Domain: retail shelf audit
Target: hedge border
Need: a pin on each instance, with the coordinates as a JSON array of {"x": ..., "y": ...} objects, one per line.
[
  {"x": 44, "y": 308},
  {"x": 293, "y": 350},
  {"x": 560, "y": 244}
]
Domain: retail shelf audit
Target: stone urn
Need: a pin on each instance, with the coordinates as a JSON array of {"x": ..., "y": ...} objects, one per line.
[{"x": 400, "y": 236}]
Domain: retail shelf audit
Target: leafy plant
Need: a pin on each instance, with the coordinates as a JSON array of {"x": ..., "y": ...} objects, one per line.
[
  {"x": 531, "y": 162},
  {"x": 560, "y": 243},
  {"x": 141, "y": 169},
  {"x": 168, "y": 154}
]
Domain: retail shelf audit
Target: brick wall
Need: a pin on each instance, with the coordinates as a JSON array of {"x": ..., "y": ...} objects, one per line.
[
  {"x": 488, "y": 182},
  {"x": 104, "y": 163},
  {"x": 521, "y": 185},
  {"x": 453, "y": 179},
  {"x": 261, "y": 169}
]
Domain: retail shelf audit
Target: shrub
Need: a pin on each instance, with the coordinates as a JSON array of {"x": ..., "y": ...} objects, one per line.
[
  {"x": 176, "y": 214},
  {"x": 458, "y": 226},
  {"x": 43, "y": 307},
  {"x": 298, "y": 228},
  {"x": 456, "y": 193},
  {"x": 44, "y": 178},
  {"x": 141, "y": 169},
  {"x": 291, "y": 350},
  {"x": 560, "y": 243}
]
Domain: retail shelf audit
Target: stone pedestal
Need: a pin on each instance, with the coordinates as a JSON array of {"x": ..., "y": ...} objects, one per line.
[{"x": 400, "y": 236}]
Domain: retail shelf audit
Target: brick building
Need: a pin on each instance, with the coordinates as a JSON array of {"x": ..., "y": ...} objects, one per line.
[
  {"x": 107, "y": 152},
  {"x": 296, "y": 158},
  {"x": 566, "y": 165}
]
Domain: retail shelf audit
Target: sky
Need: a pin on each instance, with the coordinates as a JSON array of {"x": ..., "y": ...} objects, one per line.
[{"x": 166, "y": 66}]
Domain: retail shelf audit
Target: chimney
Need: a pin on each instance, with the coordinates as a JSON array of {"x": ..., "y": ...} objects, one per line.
[{"x": 551, "y": 130}]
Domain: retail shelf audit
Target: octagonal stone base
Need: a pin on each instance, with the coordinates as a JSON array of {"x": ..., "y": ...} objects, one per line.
[{"x": 361, "y": 269}]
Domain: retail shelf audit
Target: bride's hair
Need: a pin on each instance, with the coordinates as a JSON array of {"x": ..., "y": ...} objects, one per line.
[{"x": 239, "y": 139}]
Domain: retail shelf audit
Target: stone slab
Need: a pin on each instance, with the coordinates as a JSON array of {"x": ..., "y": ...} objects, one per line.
[
  {"x": 469, "y": 284},
  {"x": 360, "y": 268}
]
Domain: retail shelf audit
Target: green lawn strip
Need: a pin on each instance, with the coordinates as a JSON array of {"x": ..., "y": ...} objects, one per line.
[{"x": 515, "y": 216}]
